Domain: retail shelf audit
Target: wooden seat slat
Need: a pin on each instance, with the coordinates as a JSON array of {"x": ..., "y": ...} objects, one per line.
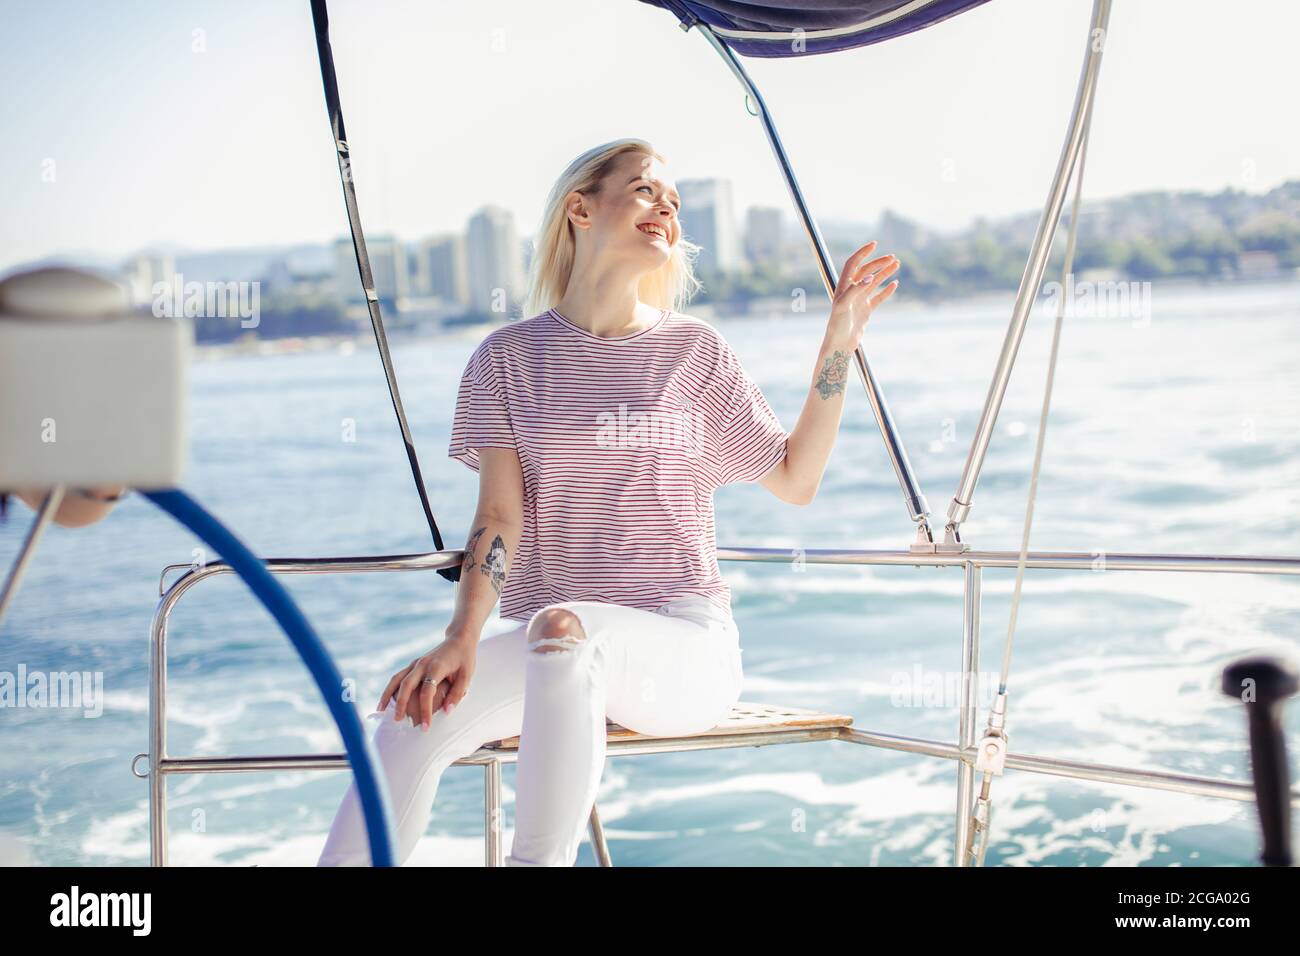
[{"x": 745, "y": 718}]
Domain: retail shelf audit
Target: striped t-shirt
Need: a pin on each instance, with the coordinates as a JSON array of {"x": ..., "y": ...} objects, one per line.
[{"x": 621, "y": 442}]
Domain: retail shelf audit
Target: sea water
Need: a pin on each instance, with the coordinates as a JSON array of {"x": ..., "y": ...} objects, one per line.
[{"x": 1176, "y": 431}]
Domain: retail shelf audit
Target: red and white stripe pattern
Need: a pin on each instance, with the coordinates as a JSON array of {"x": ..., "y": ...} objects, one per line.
[{"x": 622, "y": 442}]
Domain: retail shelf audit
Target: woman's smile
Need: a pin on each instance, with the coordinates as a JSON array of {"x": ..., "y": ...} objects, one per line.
[{"x": 654, "y": 230}]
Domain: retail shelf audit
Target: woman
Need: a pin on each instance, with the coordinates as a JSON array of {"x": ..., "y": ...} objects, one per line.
[{"x": 600, "y": 427}]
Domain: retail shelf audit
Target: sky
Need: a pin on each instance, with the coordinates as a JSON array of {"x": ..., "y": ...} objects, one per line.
[{"x": 203, "y": 126}]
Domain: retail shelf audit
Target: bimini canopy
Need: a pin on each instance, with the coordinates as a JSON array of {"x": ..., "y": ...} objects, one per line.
[{"x": 781, "y": 28}]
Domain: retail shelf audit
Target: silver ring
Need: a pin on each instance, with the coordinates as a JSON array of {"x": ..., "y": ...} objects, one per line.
[{"x": 430, "y": 680}]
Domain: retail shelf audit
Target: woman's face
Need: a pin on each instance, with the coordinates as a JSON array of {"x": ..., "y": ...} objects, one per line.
[{"x": 635, "y": 197}]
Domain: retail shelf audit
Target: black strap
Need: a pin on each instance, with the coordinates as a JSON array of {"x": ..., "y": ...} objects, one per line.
[{"x": 320, "y": 19}]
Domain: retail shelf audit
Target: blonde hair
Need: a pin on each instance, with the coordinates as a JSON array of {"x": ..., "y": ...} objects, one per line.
[{"x": 554, "y": 247}]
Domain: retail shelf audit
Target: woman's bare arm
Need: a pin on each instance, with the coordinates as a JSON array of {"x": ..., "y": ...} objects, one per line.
[
  {"x": 441, "y": 678},
  {"x": 493, "y": 538},
  {"x": 798, "y": 476}
]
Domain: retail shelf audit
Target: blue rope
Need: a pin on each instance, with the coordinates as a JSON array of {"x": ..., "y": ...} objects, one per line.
[{"x": 370, "y": 785}]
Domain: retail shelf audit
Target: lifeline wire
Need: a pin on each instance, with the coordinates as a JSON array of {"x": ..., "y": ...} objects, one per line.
[
  {"x": 1047, "y": 401},
  {"x": 370, "y": 785},
  {"x": 1033, "y": 481}
]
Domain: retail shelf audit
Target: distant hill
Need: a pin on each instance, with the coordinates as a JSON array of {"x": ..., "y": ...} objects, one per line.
[{"x": 1228, "y": 235}]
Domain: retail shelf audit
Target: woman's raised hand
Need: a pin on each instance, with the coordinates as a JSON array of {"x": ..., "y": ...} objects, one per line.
[
  {"x": 858, "y": 294},
  {"x": 438, "y": 679}
]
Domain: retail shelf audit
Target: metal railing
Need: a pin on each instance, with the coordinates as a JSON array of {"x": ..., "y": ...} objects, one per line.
[{"x": 963, "y": 750}]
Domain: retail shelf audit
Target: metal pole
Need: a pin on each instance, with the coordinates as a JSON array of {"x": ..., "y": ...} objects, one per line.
[
  {"x": 963, "y": 750},
  {"x": 599, "y": 846},
  {"x": 968, "y": 715},
  {"x": 49, "y": 508},
  {"x": 433, "y": 561},
  {"x": 1058, "y": 560},
  {"x": 1039, "y": 251},
  {"x": 917, "y": 508},
  {"x": 492, "y": 813},
  {"x": 158, "y": 725}
]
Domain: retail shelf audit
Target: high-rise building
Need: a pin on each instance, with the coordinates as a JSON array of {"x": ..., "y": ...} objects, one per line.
[
  {"x": 763, "y": 234},
  {"x": 527, "y": 252},
  {"x": 347, "y": 286},
  {"x": 708, "y": 221},
  {"x": 439, "y": 269},
  {"x": 494, "y": 258},
  {"x": 896, "y": 232},
  {"x": 388, "y": 265},
  {"x": 420, "y": 281}
]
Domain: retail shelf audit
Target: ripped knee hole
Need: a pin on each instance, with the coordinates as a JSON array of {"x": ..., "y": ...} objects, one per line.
[{"x": 555, "y": 630}]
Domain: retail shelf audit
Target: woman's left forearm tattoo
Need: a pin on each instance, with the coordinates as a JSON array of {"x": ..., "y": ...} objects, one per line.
[
  {"x": 833, "y": 374},
  {"x": 467, "y": 565},
  {"x": 493, "y": 564}
]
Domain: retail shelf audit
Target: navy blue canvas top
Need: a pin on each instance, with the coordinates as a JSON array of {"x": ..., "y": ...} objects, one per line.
[{"x": 781, "y": 28}]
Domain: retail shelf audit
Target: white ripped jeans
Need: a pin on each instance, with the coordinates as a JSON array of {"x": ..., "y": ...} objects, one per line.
[{"x": 675, "y": 670}]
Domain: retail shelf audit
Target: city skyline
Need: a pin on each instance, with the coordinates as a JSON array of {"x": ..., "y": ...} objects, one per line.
[
  {"x": 486, "y": 257},
  {"x": 233, "y": 150},
  {"x": 764, "y": 237},
  {"x": 453, "y": 276}
]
